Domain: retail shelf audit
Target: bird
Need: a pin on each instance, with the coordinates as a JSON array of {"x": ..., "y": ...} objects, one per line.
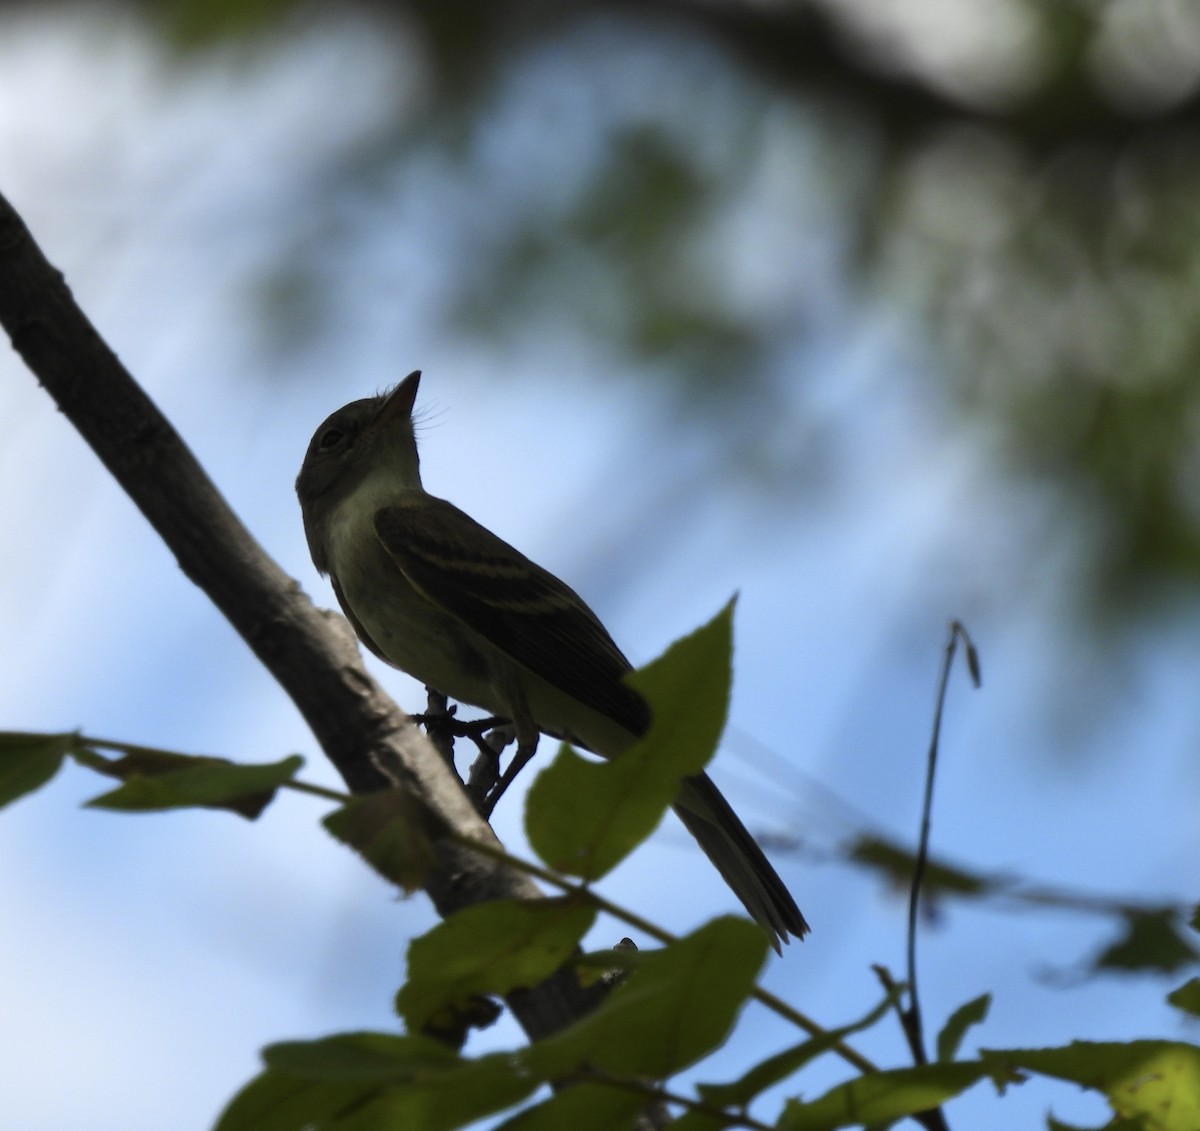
[{"x": 434, "y": 593}]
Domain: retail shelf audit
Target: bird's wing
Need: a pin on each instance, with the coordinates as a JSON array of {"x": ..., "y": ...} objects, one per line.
[{"x": 520, "y": 608}]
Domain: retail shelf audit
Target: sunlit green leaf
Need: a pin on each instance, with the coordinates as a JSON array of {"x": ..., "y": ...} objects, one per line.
[
  {"x": 896, "y": 864},
  {"x": 361, "y": 1081},
  {"x": 879, "y": 1098},
  {"x": 276, "y": 1101},
  {"x": 584, "y": 817},
  {"x": 676, "y": 1007},
  {"x": 705, "y": 1121},
  {"x": 1158, "y": 1081},
  {"x": 1053, "y": 1124}
]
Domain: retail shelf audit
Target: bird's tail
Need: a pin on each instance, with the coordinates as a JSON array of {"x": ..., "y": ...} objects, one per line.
[{"x": 729, "y": 845}]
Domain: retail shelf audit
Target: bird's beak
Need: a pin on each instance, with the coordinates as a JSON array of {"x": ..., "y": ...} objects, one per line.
[{"x": 399, "y": 403}]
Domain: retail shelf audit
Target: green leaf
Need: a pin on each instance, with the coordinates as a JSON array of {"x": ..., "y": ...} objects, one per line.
[
  {"x": 687, "y": 688},
  {"x": 444, "y": 1101},
  {"x": 373, "y": 1058},
  {"x": 599, "y": 965},
  {"x": 739, "y": 1093},
  {"x": 155, "y": 782},
  {"x": 1053, "y": 1124},
  {"x": 705, "y": 1121},
  {"x": 1158, "y": 1081},
  {"x": 145, "y": 762},
  {"x": 582, "y": 1107},
  {"x": 1151, "y": 940},
  {"x": 274, "y": 1101},
  {"x": 896, "y": 865},
  {"x": 29, "y": 761},
  {"x": 489, "y": 948},
  {"x": 306, "y": 1083},
  {"x": 679, "y": 1005},
  {"x": 392, "y": 831},
  {"x": 1187, "y": 997},
  {"x": 583, "y": 817},
  {"x": 951, "y": 1036},
  {"x": 882, "y": 1097},
  {"x": 361, "y": 1081}
]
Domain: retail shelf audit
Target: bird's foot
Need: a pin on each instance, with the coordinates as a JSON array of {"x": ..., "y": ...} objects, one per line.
[
  {"x": 484, "y": 775},
  {"x": 519, "y": 761}
]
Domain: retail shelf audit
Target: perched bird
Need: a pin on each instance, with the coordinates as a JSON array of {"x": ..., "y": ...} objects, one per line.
[{"x": 435, "y": 594}]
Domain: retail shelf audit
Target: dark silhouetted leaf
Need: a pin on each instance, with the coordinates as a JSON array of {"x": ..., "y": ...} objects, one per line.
[
  {"x": 392, "y": 831},
  {"x": 490, "y": 948},
  {"x": 950, "y": 1038},
  {"x": 1187, "y": 997},
  {"x": 29, "y": 761},
  {"x": 1151, "y": 940},
  {"x": 177, "y": 781},
  {"x": 582, "y": 1107}
]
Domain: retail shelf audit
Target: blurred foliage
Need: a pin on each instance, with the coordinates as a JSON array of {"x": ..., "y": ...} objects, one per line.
[
  {"x": 191, "y": 24},
  {"x": 1152, "y": 940},
  {"x": 691, "y": 182},
  {"x": 1150, "y": 937}
]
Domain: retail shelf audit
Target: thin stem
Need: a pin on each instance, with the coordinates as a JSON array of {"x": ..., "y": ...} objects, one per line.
[
  {"x": 583, "y": 891},
  {"x": 661, "y": 1095},
  {"x": 570, "y": 887},
  {"x": 534, "y": 871},
  {"x": 910, "y": 1019},
  {"x": 915, "y": 1027},
  {"x": 318, "y": 791}
]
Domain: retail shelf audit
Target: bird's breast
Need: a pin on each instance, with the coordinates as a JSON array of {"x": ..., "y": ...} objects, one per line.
[{"x": 399, "y": 623}]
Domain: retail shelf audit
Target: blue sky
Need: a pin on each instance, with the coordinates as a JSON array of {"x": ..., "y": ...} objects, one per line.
[{"x": 150, "y": 957}]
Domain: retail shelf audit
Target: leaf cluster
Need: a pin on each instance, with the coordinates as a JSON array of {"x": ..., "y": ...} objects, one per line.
[{"x": 656, "y": 1012}]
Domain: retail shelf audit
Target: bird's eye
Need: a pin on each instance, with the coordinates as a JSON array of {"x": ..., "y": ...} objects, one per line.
[{"x": 330, "y": 438}]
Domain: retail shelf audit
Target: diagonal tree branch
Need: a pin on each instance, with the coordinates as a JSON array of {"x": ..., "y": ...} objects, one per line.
[{"x": 370, "y": 741}]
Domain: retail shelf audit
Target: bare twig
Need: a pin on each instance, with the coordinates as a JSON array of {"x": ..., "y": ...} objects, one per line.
[{"x": 911, "y": 1017}]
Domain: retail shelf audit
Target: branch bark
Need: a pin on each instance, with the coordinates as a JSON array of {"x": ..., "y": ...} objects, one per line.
[{"x": 312, "y": 654}]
